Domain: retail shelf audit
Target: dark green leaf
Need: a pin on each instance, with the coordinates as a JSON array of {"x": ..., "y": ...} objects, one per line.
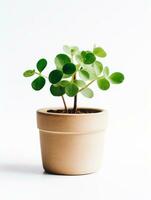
[
  {"x": 83, "y": 53},
  {"x": 71, "y": 90},
  {"x": 88, "y": 57},
  {"x": 61, "y": 60},
  {"x": 57, "y": 90},
  {"x": 84, "y": 74},
  {"x": 98, "y": 51},
  {"x": 41, "y": 64},
  {"x": 29, "y": 73},
  {"x": 87, "y": 92},
  {"x": 38, "y": 83},
  {"x": 55, "y": 76},
  {"x": 69, "y": 68},
  {"x": 117, "y": 78},
  {"x": 103, "y": 84},
  {"x": 98, "y": 67}
]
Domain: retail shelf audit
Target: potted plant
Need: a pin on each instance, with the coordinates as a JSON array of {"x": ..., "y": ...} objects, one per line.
[{"x": 72, "y": 138}]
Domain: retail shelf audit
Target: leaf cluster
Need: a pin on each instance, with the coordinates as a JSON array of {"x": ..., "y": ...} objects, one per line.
[{"x": 74, "y": 72}]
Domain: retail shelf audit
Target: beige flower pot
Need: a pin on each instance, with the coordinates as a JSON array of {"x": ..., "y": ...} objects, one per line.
[{"x": 71, "y": 144}]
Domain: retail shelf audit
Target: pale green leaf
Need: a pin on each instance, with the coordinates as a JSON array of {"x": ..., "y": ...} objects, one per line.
[{"x": 87, "y": 92}]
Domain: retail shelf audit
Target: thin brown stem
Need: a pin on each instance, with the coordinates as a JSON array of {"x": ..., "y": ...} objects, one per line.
[
  {"x": 75, "y": 104},
  {"x": 65, "y": 106},
  {"x": 75, "y": 98}
]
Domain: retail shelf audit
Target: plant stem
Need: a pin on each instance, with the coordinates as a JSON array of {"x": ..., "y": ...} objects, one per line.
[
  {"x": 75, "y": 98},
  {"x": 75, "y": 104},
  {"x": 65, "y": 106},
  {"x": 38, "y": 73},
  {"x": 87, "y": 85}
]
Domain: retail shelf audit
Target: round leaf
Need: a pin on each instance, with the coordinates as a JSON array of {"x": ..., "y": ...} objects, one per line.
[
  {"x": 55, "y": 76},
  {"x": 71, "y": 90},
  {"x": 61, "y": 60},
  {"x": 64, "y": 83},
  {"x": 117, "y": 78},
  {"x": 67, "y": 49},
  {"x": 87, "y": 92},
  {"x": 29, "y": 73},
  {"x": 103, "y": 84},
  {"x": 38, "y": 83},
  {"x": 98, "y": 67},
  {"x": 106, "y": 71},
  {"x": 41, "y": 64},
  {"x": 70, "y": 50},
  {"x": 84, "y": 74},
  {"x": 91, "y": 71},
  {"x": 74, "y": 50},
  {"x": 79, "y": 83},
  {"x": 98, "y": 51},
  {"x": 57, "y": 90},
  {"x": 69, "y": 68},
  {"x": 88, "y": 57}
]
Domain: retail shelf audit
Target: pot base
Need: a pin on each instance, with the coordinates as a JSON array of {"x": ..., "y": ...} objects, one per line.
[{"x": 67, "y": 174}]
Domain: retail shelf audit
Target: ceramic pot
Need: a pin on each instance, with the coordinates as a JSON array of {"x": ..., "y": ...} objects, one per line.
[{"x": 71, "y": 144}]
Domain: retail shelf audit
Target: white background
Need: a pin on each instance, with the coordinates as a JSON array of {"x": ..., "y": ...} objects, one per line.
[{"x": 32, "y": 29}]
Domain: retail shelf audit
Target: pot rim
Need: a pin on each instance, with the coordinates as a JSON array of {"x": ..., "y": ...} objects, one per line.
[{"x": 45, "y": 111}]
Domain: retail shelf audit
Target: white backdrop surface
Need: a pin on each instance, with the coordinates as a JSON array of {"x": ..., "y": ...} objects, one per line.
[{"x": 33, "y": 29}]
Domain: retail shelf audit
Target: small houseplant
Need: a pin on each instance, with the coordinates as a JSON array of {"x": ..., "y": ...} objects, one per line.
[{"x": 72, "y": 138}]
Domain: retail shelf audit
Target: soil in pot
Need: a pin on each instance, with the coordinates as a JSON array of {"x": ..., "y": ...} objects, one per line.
[{"x": 79, "y": 111}]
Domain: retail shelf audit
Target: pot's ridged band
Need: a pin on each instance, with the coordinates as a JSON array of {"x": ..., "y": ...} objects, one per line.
[
  {"x": 67, "y": 123},
  {"x": 55, "y": 132}
]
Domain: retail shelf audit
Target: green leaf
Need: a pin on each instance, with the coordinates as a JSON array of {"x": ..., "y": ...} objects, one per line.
[
  {"x": 57, "y": 90},
  {"x": 88, "y": 57},
  {"x": 29, "y": 73},
  {"x": 84, "y": 74},
  {"x": 70, "y": 50},
  {"x": 69, "y": 68},
  {"x": 61, "y": 60},
  {"x": 79, "y": 83},
  {"x": 74, "y": 50},
  {"x": 78, "y": 58},
  {"x": 71, "y": 90},
  {"x": 64, "y": 83},
  {"x": 98, "y": 51},
  {"x": 87, "y": 92},
  {"x": 55, "y": 76},
  {"x": 116, "y": 78},
  {"x": 67, "y": 49},
  {"x": 91, "y": 71},
  {"x": 41, "y": 64},
  {"x": 98, "y": 67},
  {"x": 106, "y": 71},
  {"x": 103, "y": 84},
  {"x": 38, "y": 83}
]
